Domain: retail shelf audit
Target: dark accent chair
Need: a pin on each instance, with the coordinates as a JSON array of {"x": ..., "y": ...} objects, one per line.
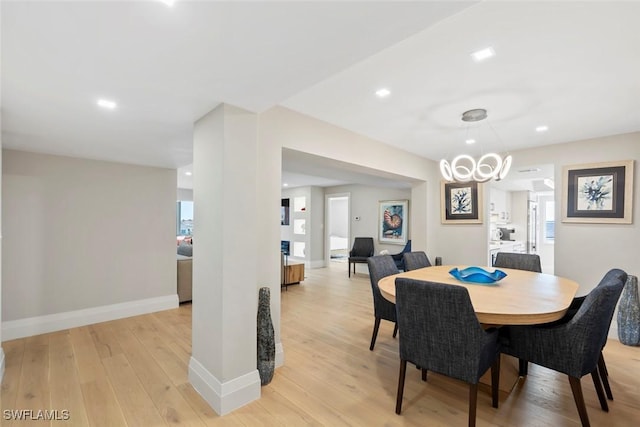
[
  {"x": 416, "y": 260},
  {"x": 441, "y": 333},
  {"x": 528, "y": 262},
  {"x": 381, "y": 266},
  {"x": 518, "y": 261},
  {"x": 399, "y": 257},
  {"x": 572, "y": 348},
  {"x": 361, "y": 250}
]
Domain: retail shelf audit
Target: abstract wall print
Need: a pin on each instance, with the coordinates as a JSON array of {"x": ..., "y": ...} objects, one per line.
[
  {"x": 461, "y": 203},
  {"x": 394, "y": 221},
  {"x": 598, "y": 193}
]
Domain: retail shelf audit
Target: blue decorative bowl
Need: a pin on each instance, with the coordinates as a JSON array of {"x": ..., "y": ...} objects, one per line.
[{"x": 477, "y": 275}]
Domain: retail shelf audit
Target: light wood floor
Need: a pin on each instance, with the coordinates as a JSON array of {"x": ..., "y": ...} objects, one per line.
[{"x": 133, "y": 372}]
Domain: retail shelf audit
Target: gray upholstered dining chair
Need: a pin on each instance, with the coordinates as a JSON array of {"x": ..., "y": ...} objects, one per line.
[
  {"x": 574, "y": 347},
  {"x": 528, "y": 262},
  {"x": 519, "y": 261},
  {"x": 439, "y": 331},
  {"x": 361, "y": 250},
  {"x": 577, "y": 302},
  {"x": 415, "y": 260},
  {"x": 381, "y": 266}
]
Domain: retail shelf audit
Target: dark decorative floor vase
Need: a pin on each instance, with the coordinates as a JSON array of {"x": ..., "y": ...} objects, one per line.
[
  {"x": 629, "y": 313},
  {"x": 266, "y": 340}
]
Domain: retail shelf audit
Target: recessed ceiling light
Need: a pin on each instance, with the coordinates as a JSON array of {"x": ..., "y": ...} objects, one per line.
[
  {"x": 383, "y": 93},
  {"x": 169, "y": 3},
  {"x": 285, "y": 185},
  {"x": 188, "y": 173},
  {"x": 470, "y": 141},
  {"x": 542, "y": 128},
  {"x": 105, "y": 103},
  {"x": 482, "y": 54}
]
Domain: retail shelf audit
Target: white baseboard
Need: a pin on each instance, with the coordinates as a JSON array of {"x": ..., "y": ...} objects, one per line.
[
  {"x": 1, "y": 364},
  {"x": 317, "y": 264},
  {"x": 72, "y": 319},
  {"x": 224, "y": 397},
  {"x": 279, "y": 355}
]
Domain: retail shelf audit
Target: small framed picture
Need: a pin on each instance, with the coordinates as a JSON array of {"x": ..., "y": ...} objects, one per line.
[
  {"x": 598, "y": 193},
  {"x": 393, "y": 221},
  {"x": 461, "y": 203}
]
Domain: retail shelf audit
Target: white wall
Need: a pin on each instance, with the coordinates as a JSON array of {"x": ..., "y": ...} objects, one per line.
[
  {"x": 339, "y": 210},
  {"x": 364, "y": 204},
  {"x": 2, "y": 363},
  {"x": 545, "y": 248},
  {"x": 185, "y": 194},
  {"x": 316, "y": 233},
  {"x": 79, "y": 234},
  {"x": 585, "y": 252}
]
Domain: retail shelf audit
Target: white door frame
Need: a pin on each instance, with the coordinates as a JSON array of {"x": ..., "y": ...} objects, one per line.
[{"x": 327, "y": 221}]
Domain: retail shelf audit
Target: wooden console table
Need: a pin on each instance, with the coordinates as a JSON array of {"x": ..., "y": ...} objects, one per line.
[{"x": 293, "y": 274}]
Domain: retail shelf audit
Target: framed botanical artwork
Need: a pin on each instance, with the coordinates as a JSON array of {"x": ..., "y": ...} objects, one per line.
[
  {"x": 598, "y": 193},
  {"x": 461, "y": 203},
  {"x": 393, "y": 221}
]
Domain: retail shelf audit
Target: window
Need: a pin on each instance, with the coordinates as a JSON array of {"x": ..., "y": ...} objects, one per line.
[
  {"x": 549, "y": 221},
  {"x": 184, "y": 217}
]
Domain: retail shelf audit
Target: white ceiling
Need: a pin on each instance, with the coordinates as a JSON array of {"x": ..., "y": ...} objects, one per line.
[{"x": 573, "y": 66}]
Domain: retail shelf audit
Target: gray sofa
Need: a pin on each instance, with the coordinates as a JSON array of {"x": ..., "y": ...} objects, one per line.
[{"x": 185, "y": 272}]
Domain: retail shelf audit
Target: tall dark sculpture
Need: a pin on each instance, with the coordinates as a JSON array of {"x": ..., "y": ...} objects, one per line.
[{"x": 266, "y": 340}]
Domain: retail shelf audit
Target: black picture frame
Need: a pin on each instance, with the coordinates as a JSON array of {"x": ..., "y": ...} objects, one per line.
[
  {"x": 598, "y": 193},
  {"x": 461, "y": 203},
  {"x": 284, "y": 211}
]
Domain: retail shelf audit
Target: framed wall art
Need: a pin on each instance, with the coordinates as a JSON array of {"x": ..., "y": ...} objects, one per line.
[
  {"x": 284, "y": 211},
  {"x": 461, "y": 203},
  {"x": 393, "y": 221},
  {"x": 598, "y": 193}
]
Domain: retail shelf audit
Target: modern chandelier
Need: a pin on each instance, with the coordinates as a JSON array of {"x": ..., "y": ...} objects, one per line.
[{"x": 465, "y": 168}]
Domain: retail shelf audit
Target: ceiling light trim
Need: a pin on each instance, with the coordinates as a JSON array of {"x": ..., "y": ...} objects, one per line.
[
  {"x": 483, "y": 54},
  {"x": 106, "y": 103},
  {"x": 383, "y": 92}
]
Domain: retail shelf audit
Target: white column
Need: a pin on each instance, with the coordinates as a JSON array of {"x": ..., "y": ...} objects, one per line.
[
  {"x": 1, "y": 350},
  {"x": 225, "y": 289},
  {"x": 419, "y": 218}
]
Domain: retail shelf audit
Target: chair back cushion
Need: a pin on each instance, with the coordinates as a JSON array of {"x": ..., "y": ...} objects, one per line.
[
  {"x": 185, "y": 249},
  {"x": 571, "y": 347},
  {"x": 528, "y": 262},
  {"x": 415, "y": 260},
  {"x": 382, "y": 266},
  {"x": 593, "y": 319},
  {"x": 439, "y": 330},
  {"x": 362, "y": 247}
]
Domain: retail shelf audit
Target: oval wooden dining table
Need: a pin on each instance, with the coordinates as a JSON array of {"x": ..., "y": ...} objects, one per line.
[{"x": 521, "y": 298}]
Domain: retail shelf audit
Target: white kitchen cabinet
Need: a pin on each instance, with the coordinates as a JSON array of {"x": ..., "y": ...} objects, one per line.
[
  {"x": 500, "y": 206},
  {"x": 517, "y": 246}
]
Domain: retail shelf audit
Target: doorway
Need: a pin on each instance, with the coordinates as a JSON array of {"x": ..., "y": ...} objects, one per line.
[
  {"x": 523, "y": 207},
  {"x": 337, "y": 226}
]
